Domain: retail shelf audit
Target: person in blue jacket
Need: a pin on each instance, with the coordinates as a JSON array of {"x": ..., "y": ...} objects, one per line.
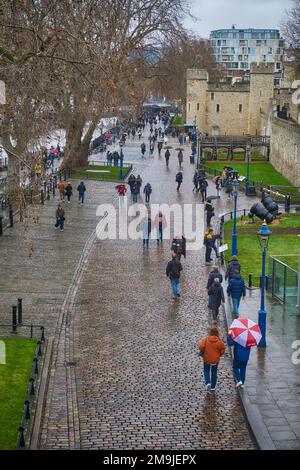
[
  {"x": 236, "y": 289},
  {"x": 240, "y": 360}
]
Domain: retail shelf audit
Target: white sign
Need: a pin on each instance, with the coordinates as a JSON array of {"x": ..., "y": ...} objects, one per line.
[
  {"x": 223, "y": 248},
  {"x": 241, "y": 178}
]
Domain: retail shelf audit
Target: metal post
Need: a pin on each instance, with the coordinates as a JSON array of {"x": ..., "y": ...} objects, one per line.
[
  {"x": 35, "y": 365},
  {"x": 250, "y": 280},
  {"x": 27, "y": 410},
  {"x": 31, "y": 196},
  {"x": 14, "y": 319},
  {"x": 20, "y": 310},
  {"x": 31, "y": 386},
  {"x": 248, "y": 157},
  {"x": 48, "y": 193},
  {"x": 39, "y": 348},
  {"x": 43, "y": 333},
  {"x": 11, "y": 216},
  {"x": 234, "y": 249},
  {"x": 42, "y": 196},
  {"x": 1, "y": 226},
  {"x": 262, "y": 314},
  {"x": 121, "y": 168},
  {"x": 21, "y": 438}
]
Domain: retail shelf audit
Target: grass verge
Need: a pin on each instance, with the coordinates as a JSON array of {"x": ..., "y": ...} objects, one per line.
[
  {"x": 14, "y": 376},
  {"x": 101, "y": 172}
]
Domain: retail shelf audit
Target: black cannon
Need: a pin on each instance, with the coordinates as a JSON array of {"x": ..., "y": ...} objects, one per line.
[
  {"x": 261, "y": 212},
  {"x": 270, "y": 205}
]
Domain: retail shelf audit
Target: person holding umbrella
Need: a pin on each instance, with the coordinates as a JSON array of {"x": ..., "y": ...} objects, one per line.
[
  {"x": 243, "y": 334},
  {"x": 211, "y": 349}
]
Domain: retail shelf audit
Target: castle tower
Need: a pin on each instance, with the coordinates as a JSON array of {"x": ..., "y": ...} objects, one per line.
[
  {"x": 196, "y": 97},
  {"x": 261, "y": 92}
]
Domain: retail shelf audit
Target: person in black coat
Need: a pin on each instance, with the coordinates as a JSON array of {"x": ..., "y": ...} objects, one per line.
[
  {"x": 203, "y": 188},
  {"x": 232, "y": 267},
  {"x": 213, "y": 274},
  {"x": 167, "y": 156},
  {"x": 209, "y": 211},
  {"x": 179, "y": 246},
  {"x": 215, "y": 297},
  {"x": 179, "y": 179}
]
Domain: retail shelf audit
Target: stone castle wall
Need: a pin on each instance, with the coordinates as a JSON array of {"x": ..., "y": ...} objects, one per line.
[{"x": 285, "y": 149}]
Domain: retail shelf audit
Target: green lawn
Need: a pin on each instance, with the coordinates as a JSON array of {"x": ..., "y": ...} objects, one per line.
[
  {"x": 110, "y": 173},
  {"x": 280, "y": 244},
  {"x": 258, "y": 172},
  {"x": 14, "y": 377}
]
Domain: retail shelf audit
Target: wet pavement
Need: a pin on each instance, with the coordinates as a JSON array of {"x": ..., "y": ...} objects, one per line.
[{"x": 137, "y": 382}]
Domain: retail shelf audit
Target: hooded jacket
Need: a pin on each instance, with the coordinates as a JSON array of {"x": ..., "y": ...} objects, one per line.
[
  {"x": 213, "y": 348},
  {"x": 236, "y": 287},
  {"x": 232, "y": 266},
  {"x": 215, "y": 296}
]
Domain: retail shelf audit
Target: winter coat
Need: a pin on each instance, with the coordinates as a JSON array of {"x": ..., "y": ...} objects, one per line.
[
  {"x": 203, "y": 184},
  {"x": 81, "y": 188},
  {"x": 229, "y": 187},
  {"x": 173, "y": 269},
  {"x": 60, "y": 213},
  {"x": 179, "y": 177},
  {"x": 236, "y": 287},
  {"x": 135, "y": 188},
  {"x": 146, "y": 227},
  {"x": 180, "y": 156},
  {"x": 179, "y": 246},
  {"x": 211, "y": 278},
  {"x": 215, "y": 296},
  {"x": 213, "y": 348},
  {"x": 61, "y": 187},
  {"x": 209, "y": 208},
  {"x": 167, "y": 154},
  {"x": 148, "y": 189},
  {"x": 232, "y": 266},
  {"x": 69, "y": 189},
  {"x": 239, "y": 352},
  {"x": 143, "y": 148},
  {"x": 163, "y": 220},
  {"x": 139, "y": 181}
]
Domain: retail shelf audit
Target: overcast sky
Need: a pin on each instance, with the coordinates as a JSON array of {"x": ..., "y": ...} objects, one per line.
[{"x": 219, "y": 14}]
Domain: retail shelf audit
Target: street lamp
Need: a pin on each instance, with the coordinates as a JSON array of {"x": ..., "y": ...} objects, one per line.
[
  {"x": 263, "y": 237},
  {"x": 248, "y": 159},
  {"x": 234, "y": 249}
]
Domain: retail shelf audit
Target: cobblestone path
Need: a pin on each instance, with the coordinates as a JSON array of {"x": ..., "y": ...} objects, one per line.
[{"x": 137, "y": 382}]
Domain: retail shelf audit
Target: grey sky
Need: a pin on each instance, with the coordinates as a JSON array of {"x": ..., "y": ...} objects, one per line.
[{"x": 219, "y": 14}]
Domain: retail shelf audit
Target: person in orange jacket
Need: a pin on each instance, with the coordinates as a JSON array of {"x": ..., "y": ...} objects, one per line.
[{"x": 211, "y": 349}]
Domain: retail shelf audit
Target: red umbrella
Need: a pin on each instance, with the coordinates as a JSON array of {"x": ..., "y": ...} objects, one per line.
[{"x": 245, "y": 332}]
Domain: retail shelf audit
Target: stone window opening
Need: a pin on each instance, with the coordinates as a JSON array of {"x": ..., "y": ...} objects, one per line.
[
  {"x": 198, "y": 106},
  {"x": 240, "y": 108},
  {"x": 218, "y": 108},
  {"x": 212, "y": 96}
]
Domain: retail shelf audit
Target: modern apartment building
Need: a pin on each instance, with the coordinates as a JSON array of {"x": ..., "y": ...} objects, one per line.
[{"x": 236, "y": 49}]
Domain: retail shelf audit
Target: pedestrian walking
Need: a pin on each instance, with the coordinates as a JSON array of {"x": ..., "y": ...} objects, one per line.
[
  {"x": 215, "y": 273},
  {"x": 173, "y": 270},
  {"x": 159, "y": 148},
  {"x": 61, "y": 189},
  {"x": 160, "y": 224},
  {"x": 236, "y": 289},
  {"x": 143, "y": 148},
  {"x": 180, "y": 158},
  {"x": 241, "y": 356},
  {"x": 209, "y": 212},
  {"x": 212, "y": 348},
  {"x": 179, "y": 246},
  {"x": 81, "y": 192},
  {"x": 147, "y": 192},
  {"x": 195, "y": 181},
  {"x": 229, "y": 188},
  {"x": 146, "y": 227},
  {"x": 69, "y": 192},
  {"x": 131, "y": 181},
  {"x": 60, "y": 217},
  {"x": 140, "y": 133},
  {"x": 215, "y": 297},
  {"x": 151, "y": 149},
  {"x": 139, "y": 182},
  {"x": 167, "y": 157},
  {"x": 203, "y": 188},
  {"x": 232, "y": 267},
  {"x": 179, "y": 179},
  {"x": 134, "y": 191},
  {"x": 218, "y": 183}
]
